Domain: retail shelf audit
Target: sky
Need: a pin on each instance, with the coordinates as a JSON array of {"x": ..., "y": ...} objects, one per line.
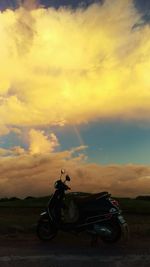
[{"x": 75, "y": 94}]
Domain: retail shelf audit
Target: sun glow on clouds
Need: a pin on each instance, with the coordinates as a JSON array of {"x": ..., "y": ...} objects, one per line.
[
  {"x": 72, "y": 66},
  {"x": 67, "y": 67},
  {"x": 40, "y": 144}
]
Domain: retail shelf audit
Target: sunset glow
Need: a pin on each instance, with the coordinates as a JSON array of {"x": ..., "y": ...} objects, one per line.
[
  {"x": 68, "y": 68},
  {"x": 63, "y": 66}
]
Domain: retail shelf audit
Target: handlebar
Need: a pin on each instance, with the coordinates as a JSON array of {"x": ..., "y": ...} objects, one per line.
[
  {"x": 59, "y": 185},
  {"x": 67, "y": 187}
]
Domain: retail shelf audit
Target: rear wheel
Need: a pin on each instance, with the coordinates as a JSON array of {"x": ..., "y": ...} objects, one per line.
[
  {"x": 46, "y": 231},
  {"x": 114, "y": 233}
]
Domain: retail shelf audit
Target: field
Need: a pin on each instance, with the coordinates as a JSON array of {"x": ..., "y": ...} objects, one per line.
[{"x": 20, "y": 216}]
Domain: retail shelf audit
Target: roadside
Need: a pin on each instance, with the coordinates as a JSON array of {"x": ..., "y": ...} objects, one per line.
[
  {"x": 67, "y": 250},
  {"x": 19, "y": 245}
]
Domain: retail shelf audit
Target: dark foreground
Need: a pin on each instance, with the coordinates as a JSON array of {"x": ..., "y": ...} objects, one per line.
[
  {"x": 67, "y": 250},
  {"x": 19, "y": 246}
]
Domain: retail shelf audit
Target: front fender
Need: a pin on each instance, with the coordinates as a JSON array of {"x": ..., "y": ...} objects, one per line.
[{"x": 44, "y": 216}]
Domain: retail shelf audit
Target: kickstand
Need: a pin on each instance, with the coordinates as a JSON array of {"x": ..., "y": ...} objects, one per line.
[{"x": 94, "y": 241}]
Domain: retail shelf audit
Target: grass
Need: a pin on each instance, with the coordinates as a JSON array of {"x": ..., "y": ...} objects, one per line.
[
  {"x": 127, "y": 205},
  {"x": 134, "y": 206},
  {"x": 26, "y": 203}
]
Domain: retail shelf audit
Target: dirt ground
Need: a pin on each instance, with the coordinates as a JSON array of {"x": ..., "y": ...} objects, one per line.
[
  {"x": 67, "y": 250},
  {"x": 19, "y": 245}
]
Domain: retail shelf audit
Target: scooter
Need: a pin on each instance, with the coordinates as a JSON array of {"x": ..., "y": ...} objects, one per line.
[{"x": 97, "y": 214}]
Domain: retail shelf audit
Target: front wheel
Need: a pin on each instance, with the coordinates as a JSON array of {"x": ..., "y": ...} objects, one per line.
[
  {"x": 113, "y": 233},
  {"x": 46, "y": 231}
]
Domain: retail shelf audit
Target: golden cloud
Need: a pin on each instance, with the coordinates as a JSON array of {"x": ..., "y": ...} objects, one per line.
[
  {"x": 25, "y": 174},
  {"x": 73, "y": 66},
  {"x": 40, "y": 143},
  {"x": 70, "y": 67}
]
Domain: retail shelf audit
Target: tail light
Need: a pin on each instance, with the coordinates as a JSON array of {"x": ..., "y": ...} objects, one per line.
[{"x": 114, "y": 203}]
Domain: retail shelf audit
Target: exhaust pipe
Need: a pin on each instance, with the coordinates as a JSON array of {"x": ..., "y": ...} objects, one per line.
[{"x": 102, "y": 230}]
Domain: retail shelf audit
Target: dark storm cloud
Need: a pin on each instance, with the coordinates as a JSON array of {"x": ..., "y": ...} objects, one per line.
[
  {"x": 142, "y": 5},
  {"x": 48, "y": 3},
  {"x": 4, "y": 4},
  {"x": 72, "y": 3}
]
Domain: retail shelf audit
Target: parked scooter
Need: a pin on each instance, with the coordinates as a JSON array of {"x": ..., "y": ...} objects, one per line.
[{"x": 97, "y": 214}]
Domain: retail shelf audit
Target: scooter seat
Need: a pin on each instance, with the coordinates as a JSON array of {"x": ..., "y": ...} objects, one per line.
[{"x": 90, "y": 198}]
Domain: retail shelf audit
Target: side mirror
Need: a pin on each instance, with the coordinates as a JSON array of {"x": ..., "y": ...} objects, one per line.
[
  {"x": 62, "y": 171},
  {"x": 67, "y": 178}
]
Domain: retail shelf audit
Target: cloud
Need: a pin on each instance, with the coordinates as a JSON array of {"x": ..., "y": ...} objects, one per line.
[
  {"x": 5, "y": 130},
  {"x": 15, "y": 130},
  {"x": 79, "y": 148},
  {"x": 25, "y": 174},
  {"x": 13, "y": 151},
  {"x": 39, "y": 143},
  {"x": 69, "y": 66},
  {"x": 17, "y": 150},
  {"x": 5, "y": 152},
  {"x": 28, "y": 4}
]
